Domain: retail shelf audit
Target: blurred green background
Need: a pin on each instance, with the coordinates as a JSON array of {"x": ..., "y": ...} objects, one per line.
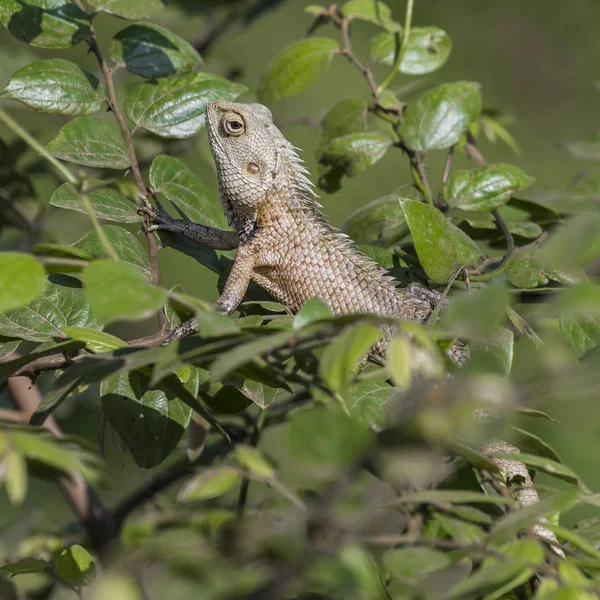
[{"x": 538, "y": 60}]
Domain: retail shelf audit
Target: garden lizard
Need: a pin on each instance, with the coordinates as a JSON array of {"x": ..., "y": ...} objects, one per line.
[{"x": 285, "y": 244}]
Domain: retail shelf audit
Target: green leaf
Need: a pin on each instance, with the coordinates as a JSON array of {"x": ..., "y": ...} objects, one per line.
[
  {"x": 26, "y": 566},
  {"x": 427, "y": 50},
  {"x": 172, "y": 178},
  {"x": 484, "y": 188},
  {"x": 128, "y": 247},
  {"x": 226, "y": 400},
  {"x": 62, "y": 302},
  {"x": 76, "y": 566},
  {"x": 152, "y": 51},
  {"x": 313, "y": 310},
  {"x": 398, "y": 362},
  {"x": 373, "y": 11},
  {"x": 522, "y": 557},
  {"x": 548, "y": 466},
  {"x": 57, "y": 87},
  {"x": 107, "y": 202},
  {"x": 339, "y": 361},
  {"x": 95, "y": 341},
  {"x": 151, "y": 422},
  {"x": 367, "y": 403},
  {"x": 210, "y": 483},
  {"x": 582, "y": 334},
  {"x": 45, "y": 23},
  {"x": 575, "y": 539},
  {"x": 175, "y": 107},
  {"x": 118, "y": 291},
  {"x": 510, "y": 525},
  {"x": 367, "y": 224},
  {"x": 347, "y": 116},
  {"x": 326, "y": 441},
  {"x": 451, "y": 497},
  {"x": 129, "y": 9},
  {"x": 441, "y": 115},
  {"x": 295, "y": 68},
  {"x": 467, "y": 250},
  {"x": 15, "y": 477},
  {"x": 56, "y": 453},
  {"x": 412, "y": 564},
  {"x": 252, "y": 459},
  {"x": 246, "y": 353},
  {"x": 526, "y": 270},
  {"x": 356, "y": 152},
  {"x": 22, "y": 280},
  {"x": 91, "y": 142},
  {"x": 433, "y": 239},
  {"x": 532, "y": 444}
]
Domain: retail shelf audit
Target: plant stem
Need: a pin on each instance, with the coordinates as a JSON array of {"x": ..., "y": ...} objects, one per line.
[
  {"x": 403, "y": 47},
  {"x": 35, "y": 145},
  {"x": 135, "y": 167}
]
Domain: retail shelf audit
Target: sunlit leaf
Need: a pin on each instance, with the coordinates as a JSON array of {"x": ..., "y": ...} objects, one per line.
[
  {"x": 22, "y": 279},
  {"x": 56, "y": 86}
]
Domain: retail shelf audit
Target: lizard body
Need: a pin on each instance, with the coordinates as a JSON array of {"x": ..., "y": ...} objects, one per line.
[{"x": 285, "y": 244}]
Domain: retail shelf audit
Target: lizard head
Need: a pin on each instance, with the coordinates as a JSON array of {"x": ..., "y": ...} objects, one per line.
[{"x": 252, "y": 157}]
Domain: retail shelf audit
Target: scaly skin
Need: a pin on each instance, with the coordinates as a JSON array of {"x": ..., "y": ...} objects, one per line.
[{"x": 285, "y": 244}]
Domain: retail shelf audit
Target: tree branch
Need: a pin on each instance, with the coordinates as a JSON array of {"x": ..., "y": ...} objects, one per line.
[{"x": 85, "y": 502}]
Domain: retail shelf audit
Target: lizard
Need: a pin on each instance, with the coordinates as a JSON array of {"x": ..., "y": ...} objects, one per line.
[{"x": 286, "y": 245}]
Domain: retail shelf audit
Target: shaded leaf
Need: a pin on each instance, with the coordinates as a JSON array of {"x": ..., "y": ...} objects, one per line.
[
  {"x": 22, "y": 279},
  {"x": 95, "y": 341},
  {"x": 313, "y": 310},
  {"x": 62, "y": 302},
  {"x": 356, "y": 152},
  {"x": 451, "y": 496},
  {"x": 107, "y": 202},
  {"x": 57, "y": 87},
  {"x": 347, "y": 116},
  {"x": 441, "y": 115},
  {"x": 582, "y": 334},
  {"x": 129, "y": 9},
  {"x": 118, "y": 291},
  {"x": 175, "y": 107},
  {"x": 326, "y": 441},
  {"x": 209, "y": 483},
  {"x": 253, "y": 460},
  {"x": 128, "y": 247},
  {"x": 432, "y": 238},
  {"x": 45, "y": 23},
  {"x": 339, "y": 362},
  {"x": 367, "y": 403},
  {"x": 25, "y": 566},
  {"x": 152, "y": 51},
  {"x": 412, "y": 564},
  {"x": 177, "y": 182},
  {"x": 484, "y": 188},
  {"x": 76, "y": 566},
  {"x": 427, "y": 50},
  {"x": 91, "y": 142},
  {"x": 151, "y": 422},
  {"x": 398, "y": 362},
  {"x": 295, "y": 68},
  {"x": 510, "y": 525}
]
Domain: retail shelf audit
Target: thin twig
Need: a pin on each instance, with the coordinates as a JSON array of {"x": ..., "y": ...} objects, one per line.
[
  {"x": 440, "y": 199},
  {"x": 35, "y": 145},
  {"x": 403, "y": 47}
]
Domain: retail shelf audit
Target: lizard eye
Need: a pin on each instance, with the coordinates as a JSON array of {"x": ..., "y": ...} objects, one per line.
[{"x": 233, "y": 124}]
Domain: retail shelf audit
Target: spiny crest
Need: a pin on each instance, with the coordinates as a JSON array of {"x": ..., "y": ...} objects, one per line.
[{"x": 305, "y": 198}]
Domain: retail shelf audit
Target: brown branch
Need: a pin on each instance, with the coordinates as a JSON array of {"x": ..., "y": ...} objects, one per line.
[
  {"x": 440, "y": 199},
  {"x": 85, "y": 502},
  {"x": 135, "y": 168}
]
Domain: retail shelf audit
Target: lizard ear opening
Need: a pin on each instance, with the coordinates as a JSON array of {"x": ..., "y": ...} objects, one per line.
[{"x": 233, "y": 124}]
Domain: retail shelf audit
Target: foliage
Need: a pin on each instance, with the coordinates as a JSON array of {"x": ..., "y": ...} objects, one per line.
[{"x": 308, "y": 474}]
